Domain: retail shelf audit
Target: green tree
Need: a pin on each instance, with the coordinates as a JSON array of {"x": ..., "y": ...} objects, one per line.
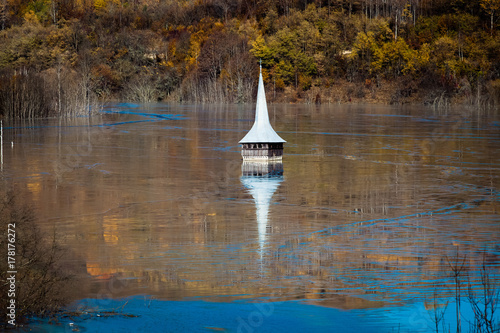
[
  {"x": 261, "y": 50},
  {"x": 367, "y": 53},
  {"x": 444, "y": 57},
  {"x": 330, "y": 46},
  {"x": 396, "y": 57}
]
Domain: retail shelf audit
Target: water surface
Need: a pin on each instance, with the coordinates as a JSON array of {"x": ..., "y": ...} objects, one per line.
[{"x": 373, "y": 206}]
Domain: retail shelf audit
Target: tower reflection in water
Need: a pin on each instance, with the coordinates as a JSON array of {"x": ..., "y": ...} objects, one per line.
[{"x": 262, "y": 179}]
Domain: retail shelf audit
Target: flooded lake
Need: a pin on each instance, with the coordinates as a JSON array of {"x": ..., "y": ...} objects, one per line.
[{"x": 373, "y": 206}]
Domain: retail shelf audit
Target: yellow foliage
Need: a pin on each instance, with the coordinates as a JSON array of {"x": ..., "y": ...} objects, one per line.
[
  {"x": 398, "y": 57},
  {"x": 171, "y": 49},
  {"x": 414, "y": 63},
  {"x": 193, "y": 53},
  {"x": 179, "y": 27},
  {"x": 444, "y": 48},
  {"x": 365, "y": 49},
  {"x": 249, "y": 29},
  {"x": 280, "y": 84},
  {"x": 260, "y": 49},
  {"x": 31, "y": 18},
  {"x": 490, "y": 6},
  {"x": 443, "y": 53},
  {"x": 424, "y": 55},
  {"x": 365, "y": 45},
  {"x": 199, "y": 34},
  {"x": 407, "y": 14},
  {"x": 218, "y": 26},
  {"x": 302, "y": 48},
  {"x": 121, "y": 52},
  {"x": 224, "y": 74},
  {"x": 265, "y": 75},
  {"x": 101, "y": 5}
]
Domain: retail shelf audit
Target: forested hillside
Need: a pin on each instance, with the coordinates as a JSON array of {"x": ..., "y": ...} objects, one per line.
[{"x": 62, "y": 56}]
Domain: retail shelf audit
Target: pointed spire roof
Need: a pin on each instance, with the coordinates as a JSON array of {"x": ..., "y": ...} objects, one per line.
[{"x": 261, "y": 131}]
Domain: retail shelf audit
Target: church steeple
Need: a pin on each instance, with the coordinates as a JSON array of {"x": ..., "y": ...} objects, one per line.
[{"x": 262, "y": 142}]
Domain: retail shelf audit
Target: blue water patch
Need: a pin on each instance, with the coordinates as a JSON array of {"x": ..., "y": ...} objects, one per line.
[
  {"x": 427, "y": 120},
  {"x": 162, "y": 116},
  {"x": 387, "y": 115},
  {"x": 230, "y": 148},
  {"x": 366, "y": 223},
  {"x": 143, "y": 314},
  {"x": 128, "y": 105},
  {"x": 123, "y": 123},
  {"x": 92, "y": 165}
]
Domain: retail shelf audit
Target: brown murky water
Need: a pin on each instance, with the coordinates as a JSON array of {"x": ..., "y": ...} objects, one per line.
[{"x": 372, "y": 205}]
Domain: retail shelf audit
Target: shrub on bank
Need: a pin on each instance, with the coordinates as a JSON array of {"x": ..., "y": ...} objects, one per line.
[{"x": 36, "y": 279}]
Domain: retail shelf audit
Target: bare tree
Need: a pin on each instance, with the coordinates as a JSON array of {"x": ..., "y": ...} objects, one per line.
[
  {"x": 41, "y": 277},
  {"x": 53, "y": 11},
  {"x": 457, "y": 267},
  {"x": 485, "y": 302},
  {"x": 437, "y": 315}
]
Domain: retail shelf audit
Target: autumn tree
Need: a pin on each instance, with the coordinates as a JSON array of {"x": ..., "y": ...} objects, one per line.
[
  {"x": 491, "y": 7},
  {"x": 367, "y": 53},
  {"x": 209, "y": 50},
  {"x": 3, "y": 14}
]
